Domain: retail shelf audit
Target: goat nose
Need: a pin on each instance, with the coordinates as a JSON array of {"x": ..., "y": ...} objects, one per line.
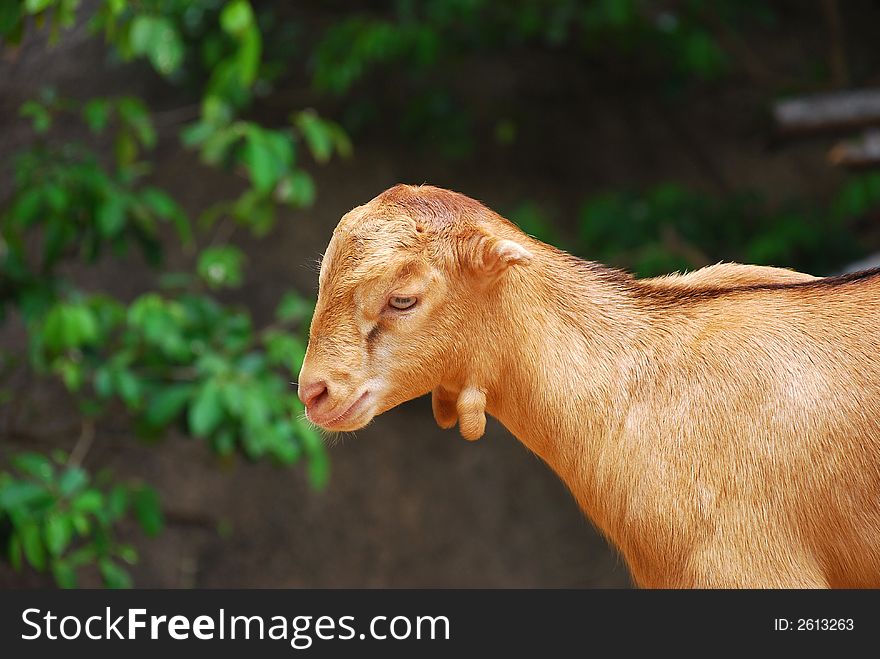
[{"x": 311, "y": 391}]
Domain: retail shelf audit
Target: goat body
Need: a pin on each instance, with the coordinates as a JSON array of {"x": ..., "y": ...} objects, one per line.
[{"x": 722, "y": 428}]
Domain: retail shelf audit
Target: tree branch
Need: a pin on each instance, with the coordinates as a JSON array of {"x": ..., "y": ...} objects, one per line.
[{"x": 83, "y": 444}]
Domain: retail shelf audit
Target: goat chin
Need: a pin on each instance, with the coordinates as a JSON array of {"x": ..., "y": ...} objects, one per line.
[{"x": 721, "y": 427}]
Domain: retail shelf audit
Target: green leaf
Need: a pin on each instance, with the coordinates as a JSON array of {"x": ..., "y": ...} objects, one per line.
[
  {"x": 117, "y": 501},
  {"x": 90, "y": 501},
  {"x": 35, "y": 302},
  {"x": 32, "y": 544},
  {"x": 294, "y": 308},
  {"x": 58, "y": 530},
  {"x": 317, "y": 135},
  {"x": 259, "y": 161},
  {"x": 322, "y": 136},
  {"x": 36, "y": 6},
  {"x": 125, "y": 148},
  {"x": 217, "y": 146},
  {"x": 251, "y": 364},
  {"x": 159, "y": 202},
  {"x": 858, "y": 195},
  {"x": 82, "y": 524},
  {"x": 287, "y": 452},
  {"x": 129, "y": 387},
  {"x": 60, "y": 235},
  {"x": 114, "y": 576},
  {"x": 196, "y": 133},
  {"x": 216, "y": 111},
  {"x": 71, "y": 373},
  {"x": 82, "y": 556},
  {"x": 39, "y": 114},
  {"x": 64, "y": 573},
  {"x": 268, "y": 155},
  {"x": 86, "y": 324},
  {"x": 134, "y": 115},
  {"x": 69, "y": 326},
  {"x": 10, "y": 19},
  {"x": 161, "y": 323},
  {"x": 34, "y": 464},
  {"x": 236, "y": 17},
  {"x": 111, "y": 215},
  {"x": 65, "y": 14},
  {"x": 72, "y": 480},
  {"x": 255, "y": 409},
  {"x": 97, "y": 114},
  {"x": 220, "y": 267},
  {"x": 702, "y": 55},
  {"x": 158, "y": 39},
  {"x": 27, "y": 207},
  {"x": 103, "y": 382},
  {"x": 142, "y": 34},
  {"x": 285, "y": 349},
  {"x": 167, "y": 209},
  {"x": 167, "y": 403},
  {"x": 57, "y": 196},
  {"x": 248, "y": 58},
  {"x": 16, "y": 494},
  {"x": 231, "y": 392},
  {"x": 15, "y": 555},
  {"x": 618, "y": 13},
  {"x": 340, "y": 140},
  {"x": 224, "y": 441},
  {"x": 148, "y": 510},
  {"x": 127, "y": 553},
  {"x": 206, "y": 412},
  {"x": 13, "y": 26},
  {"x": 302, "y": 189},
  {"x": 88, "y": 407},
  {"x": 254, "y": 210}
]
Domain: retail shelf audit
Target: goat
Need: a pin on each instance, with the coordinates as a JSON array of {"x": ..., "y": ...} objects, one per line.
[{"x": 721, "y": 428}]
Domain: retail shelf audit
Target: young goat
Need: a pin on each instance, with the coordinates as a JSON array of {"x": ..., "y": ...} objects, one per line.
[{"x": 722, "y": 428}]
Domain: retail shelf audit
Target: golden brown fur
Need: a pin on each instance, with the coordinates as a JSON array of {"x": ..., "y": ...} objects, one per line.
[
  {"x": 729, "y": 275},
  {"x": 721, "y": 427}
]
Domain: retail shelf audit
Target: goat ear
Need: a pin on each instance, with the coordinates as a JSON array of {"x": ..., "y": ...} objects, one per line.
[{"x": 491, "y": 255}]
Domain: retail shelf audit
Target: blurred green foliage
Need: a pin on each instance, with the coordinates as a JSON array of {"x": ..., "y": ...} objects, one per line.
[
  {"x": 174, "y": 357},
  {"x": 422, "y": 35},
  {"x": 177, "y": 356},
  {"x": 669, "y": 228},
  {"x": 56, "y": 518},
  {"x": 425, "y": 43}
]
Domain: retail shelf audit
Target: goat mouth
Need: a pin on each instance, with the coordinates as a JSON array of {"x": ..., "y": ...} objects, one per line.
[{"x": 331, "y": 421}]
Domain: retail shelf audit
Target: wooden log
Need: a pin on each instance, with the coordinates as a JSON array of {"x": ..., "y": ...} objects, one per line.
[{"x": 830, "y": 112}]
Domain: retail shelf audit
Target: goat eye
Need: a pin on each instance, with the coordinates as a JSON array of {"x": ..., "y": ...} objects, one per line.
[{"x": 401, "y": 303}]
